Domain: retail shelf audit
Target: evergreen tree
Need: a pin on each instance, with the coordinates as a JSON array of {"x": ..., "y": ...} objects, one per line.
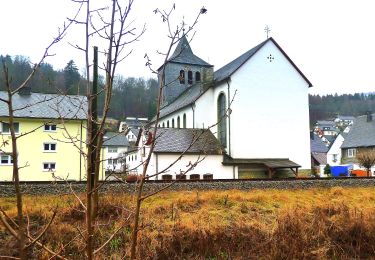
[{"x": 71, "y": 77}]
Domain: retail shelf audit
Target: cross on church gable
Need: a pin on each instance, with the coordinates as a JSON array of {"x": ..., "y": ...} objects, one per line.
[{"x": 270, "y": 58}]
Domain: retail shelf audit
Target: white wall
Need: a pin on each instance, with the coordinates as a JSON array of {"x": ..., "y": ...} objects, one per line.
[
  {"x": 211, "y": 164},
  {"x": 117, "y": 155},
  {"x": 335, "y": 149},
  {"x": 270, "y": 113}
]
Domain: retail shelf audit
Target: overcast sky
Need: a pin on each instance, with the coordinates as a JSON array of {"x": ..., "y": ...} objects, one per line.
[{"x": 331, "y": 41}]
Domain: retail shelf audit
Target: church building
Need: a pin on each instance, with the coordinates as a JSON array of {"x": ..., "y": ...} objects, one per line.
[{"x": 256, "y": 107}]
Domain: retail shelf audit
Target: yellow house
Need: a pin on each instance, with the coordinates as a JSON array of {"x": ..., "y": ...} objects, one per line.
[{"x": 51, "y": 131}]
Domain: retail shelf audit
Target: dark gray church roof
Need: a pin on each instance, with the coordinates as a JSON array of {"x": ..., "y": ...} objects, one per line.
[
  {"x": 362, "y": 133},
  {"x": 184, "y": 54},
  {"x": 186, "y": 98},
  {"x": 178, "y": 140},
  {"x": 115, "y": 139},
  {"x": 51, "y": 106}
]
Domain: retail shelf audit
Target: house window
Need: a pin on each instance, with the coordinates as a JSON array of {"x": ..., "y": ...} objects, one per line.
[
  {"x": 112, "y": 149},
  {"x": 5, "y": 128},
  {"x": 222, "y": 121},
  {"x": 143, "y": 151},
  {"x": 50, "y": 128},
  {"x": 197, "y": 77},
  {"x": 182, "y": 77},
  {"x": 351, "y": 153},
  {"x": 49, "y": 147},
  {"x": 135, "y": 157},
  {"x": 184, "y": 121},
  {"x": 335, "y": 158},
  {"x": 178, "y": 122},
  {"x": 6, "y": 159},
  {"x": 190, "y": 77},
  {"x": 173, "y": 123},
  {"x": 49, "y": 166}
]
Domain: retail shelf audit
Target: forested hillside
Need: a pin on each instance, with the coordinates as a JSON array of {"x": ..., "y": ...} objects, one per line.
[
  {"x": 329, "y": 106},
  {"x": 137, "y": 96},
  {"x": 131, "y": 96}
]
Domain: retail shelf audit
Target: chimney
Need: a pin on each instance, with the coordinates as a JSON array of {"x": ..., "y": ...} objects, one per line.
[
  {"x": 369, "y": 116},
  {"x": 25, "y": 91}
]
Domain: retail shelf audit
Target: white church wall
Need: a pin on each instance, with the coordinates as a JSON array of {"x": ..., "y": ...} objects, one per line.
[
  {"x": 270, "y": 117},
  {"x": 189, "y": 118},
  {"x": 211, "y": 164}
]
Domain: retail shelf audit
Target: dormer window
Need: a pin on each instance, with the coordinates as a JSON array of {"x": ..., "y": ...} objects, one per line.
[
  {"x": 190, "y": 77},
  {"x": 182, "y": 77},
  {"x": 197, "y": 76}
]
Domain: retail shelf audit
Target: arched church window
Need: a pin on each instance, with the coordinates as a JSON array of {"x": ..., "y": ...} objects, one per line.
[
  {"x": 197, "y": 76},
  {"x": 163, "y": 124},
  {"x": 173, "y": 123},
  {"x": 182, "y": 77},
  {"x": 178, "y": 122},
  {"x": 222, "y": 120},
  {"x": 190, "y": 77},
  {"x": 184, "y": 121},
  {"x": 168, "y": 124}
]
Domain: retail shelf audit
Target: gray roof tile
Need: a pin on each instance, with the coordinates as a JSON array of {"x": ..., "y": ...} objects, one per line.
[
  {"x": 115, "y": 139},
  {"x": 178, "y": 140},
  {"x": 361, "y": 134},
  {"x": 51, "y": 106},
  {"x": 317, "y": 145},
  {"x": 184, "y": 54}
]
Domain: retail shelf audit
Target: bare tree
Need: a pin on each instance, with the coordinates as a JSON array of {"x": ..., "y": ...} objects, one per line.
[
  {"x": 174, "y": 35},
  {"x": 366, "y": 159},
  {"x": 18, "y": 228}
]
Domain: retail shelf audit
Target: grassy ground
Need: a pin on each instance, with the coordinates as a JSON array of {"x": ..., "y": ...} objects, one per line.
[{"x": 274, "y": 224}]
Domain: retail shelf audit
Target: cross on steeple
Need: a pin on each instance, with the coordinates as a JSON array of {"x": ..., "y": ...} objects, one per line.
[{"x": 267, "y": 30}]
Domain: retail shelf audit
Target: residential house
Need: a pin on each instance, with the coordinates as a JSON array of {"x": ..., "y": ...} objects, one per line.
[
  {"x": 334, "y": 153},
  {"x": 318, "y": 153},
  {"x": 245, "y": 103},
  {"x": 326, "y": 128},
  {"x": 51, "y": 132},
  {"x": 360, "y": 138},
  {"x": 115, "y": 147},
  {"x": 133, "y": 123},
  {"x": 132, "y": 134}
]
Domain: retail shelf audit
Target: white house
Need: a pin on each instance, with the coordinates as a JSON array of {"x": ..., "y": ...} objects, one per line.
[
  {"x": 334, "y": 152},
  {"x": 251, "y": 104},
  {"x": 115, "y": 146}
]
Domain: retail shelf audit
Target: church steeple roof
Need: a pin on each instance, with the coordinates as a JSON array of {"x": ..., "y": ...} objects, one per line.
[{"x": 184, "y": 54}]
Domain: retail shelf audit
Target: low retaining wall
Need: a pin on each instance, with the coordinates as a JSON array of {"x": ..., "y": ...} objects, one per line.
[{"x": 7, "y": 189}]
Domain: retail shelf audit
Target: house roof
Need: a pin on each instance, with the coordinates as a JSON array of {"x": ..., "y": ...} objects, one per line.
[
  {"x": 190, "y": 95},
  {"x": 135, "y": 122},
  {"x": 178, "y": 140},
  {"x": 51, "y": 106},
  {"x": 361, "y": 134},
  {"x": 326, "y": 123},
  {"x": 317, "y": 145},
  {"x": 320, "y": 158},
  {"x": 274, "y": 163},
  {"x": 184, "y": 54},
  {"x": 115, "y": 139}
]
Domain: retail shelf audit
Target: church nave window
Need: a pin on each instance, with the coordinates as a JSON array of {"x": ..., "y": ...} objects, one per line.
[
  {"x": 182, "y": 77},
  {"x": 222, "y": 120},
  {"x": 178, "y": 122},
  {"x": 197, "y": 77},
  {"x": 168, "y": 124},
  {"x": 184, "y": 121},
  {"x": 163, "y": 125},
  {"x": 190, "y": 77},
  {"x": 173, "y": 123}
]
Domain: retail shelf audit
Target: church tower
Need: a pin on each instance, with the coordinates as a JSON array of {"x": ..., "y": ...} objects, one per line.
[{"x": 184, "y": 70}]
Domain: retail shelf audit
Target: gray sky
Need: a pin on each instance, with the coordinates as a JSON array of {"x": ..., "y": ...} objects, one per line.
[{"x": 331, "y": 41}]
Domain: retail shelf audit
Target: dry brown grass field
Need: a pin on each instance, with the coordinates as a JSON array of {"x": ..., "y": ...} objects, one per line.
[{"x": 336, "y": 223}]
